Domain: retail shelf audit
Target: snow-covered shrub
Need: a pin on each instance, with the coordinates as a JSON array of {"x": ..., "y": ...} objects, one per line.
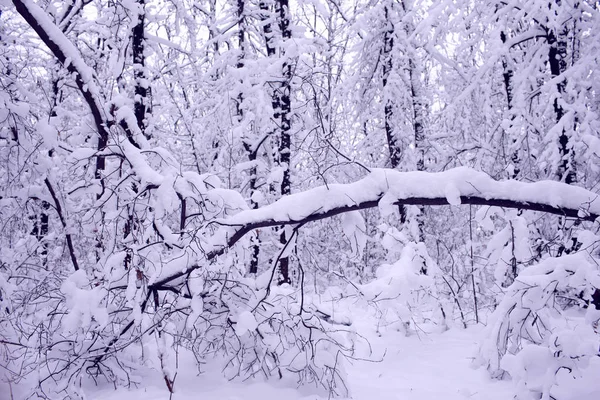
[
  {"x": 544, "y": 333},
  {"x": 266, "y": 333},
  {"x": 403, "y": 290},
  {"x": 120, "y": 296},
  {"x": 509, "y": 250}
]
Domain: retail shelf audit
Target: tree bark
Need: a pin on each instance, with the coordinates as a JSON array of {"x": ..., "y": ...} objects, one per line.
[
  {"x": 251, "y": 150},
  {"x": 507, "y": 77},
  {"x": 282, "y": 116},
  {"x": 281, "y": 103},
  {"x": 388, "y": 111},
  {"x": 419, "y": 117},
  {"x": 393, "y": 143},
  {"x": 557, "y": 59},
  {"x": 141, "y": 106}
]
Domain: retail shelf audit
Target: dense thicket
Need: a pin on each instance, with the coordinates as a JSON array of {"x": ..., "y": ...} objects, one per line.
[{"x": 158, "y": 161}]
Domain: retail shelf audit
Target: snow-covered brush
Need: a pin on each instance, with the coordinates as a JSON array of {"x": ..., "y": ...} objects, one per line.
[
  {"x": 281, "y": 337},
  {"x": 403, "y": 292},
  {"x": 260, "y": 330},
  {"x": 184, "y": 241},
  {"x": 544, "y": 333}
]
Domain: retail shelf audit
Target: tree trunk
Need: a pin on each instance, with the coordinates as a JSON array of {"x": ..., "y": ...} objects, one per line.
[
  {"x": 248, "y": 146},
  {"x": 388, "y": 109},
  {"x": 388, "y": 112},
  {"x": 281, "y": 103},
  {"x": 282, "y": 117},
  {"x": 419, "y": 117},
  {"x": 139, "y": 61},
  {"x": 557, "y": 59},
  {"x": 507, "y": 76}
]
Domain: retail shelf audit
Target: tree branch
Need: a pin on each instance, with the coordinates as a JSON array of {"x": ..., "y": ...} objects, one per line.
[
  {"x": 63, "y": 221},
  {"x": 456, "y": 186},
  {"x": 68, "y": 56}
]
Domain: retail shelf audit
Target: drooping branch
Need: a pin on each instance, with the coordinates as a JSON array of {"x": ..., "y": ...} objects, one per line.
[
  {"x": 63, "y": 222},
  {"x": 388, "y": 189},
  {"x": 69, "y": 56}
]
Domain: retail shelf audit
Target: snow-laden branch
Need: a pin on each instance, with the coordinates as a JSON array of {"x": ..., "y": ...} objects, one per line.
[
  {"x": 386, "y": 189},
  {"x": 69, "y": 56}
]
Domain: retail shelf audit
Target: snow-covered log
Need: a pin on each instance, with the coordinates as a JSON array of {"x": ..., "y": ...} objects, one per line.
[{"x": 386, "y": 189}]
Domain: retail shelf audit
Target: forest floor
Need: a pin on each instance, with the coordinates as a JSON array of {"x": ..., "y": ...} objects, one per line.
[{"x": 423, "y": 366}]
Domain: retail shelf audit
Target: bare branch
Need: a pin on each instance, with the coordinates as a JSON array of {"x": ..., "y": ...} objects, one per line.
[{"x": 63, "y": 221}]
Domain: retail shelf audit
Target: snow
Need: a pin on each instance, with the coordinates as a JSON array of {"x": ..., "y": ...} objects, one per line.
[
  {"x": 245, "y": 322},
  {"x": 153, "y": 222},
  {"x": 390, "y": 185},
  {"x": 431, "y": 366},
  {"x": 593, "y": 143},
  {"x": 66, "y": 46},
  {"x": 353, "y": 225},
  {"x": 257, "y": 197},
  {"x": 147, "y": 175},
  {"x": 48, "y": 133},
  {"x": 382, "y": 187},
  {"x": 452, "y": 194},
  {"x": 549, "y": 339},
  {"x": 85, "y": 305},
  {"x": 418, "y": 367}
]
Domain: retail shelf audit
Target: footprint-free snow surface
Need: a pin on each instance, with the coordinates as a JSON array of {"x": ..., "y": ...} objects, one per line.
[{"x": 425, "y": 366}]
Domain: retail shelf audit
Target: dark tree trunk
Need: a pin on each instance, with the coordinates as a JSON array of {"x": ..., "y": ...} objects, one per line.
[
  {"x": 266, "y": 17},
  {"x": 507, "y": 77},
  {"x": 281, "y": 103},
  {"x": 40, "y": 230},
  {"x": 250, "y": 149},
  {"x": 388, "y": 109},
  {"x": 557, "y": 59},
  {"x": 139, "y": 62},
  {"x": 388, "y": 45},
  {"x": 282, "y": 116},
  {"x": 507, "y": 74},
  {"x": 419, "y": 117}
]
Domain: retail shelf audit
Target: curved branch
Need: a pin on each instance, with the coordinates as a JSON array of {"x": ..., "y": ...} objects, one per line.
[
  {"x": 68, "y": 55},
  {"x": 389, "y": 188},
  {"x": 63, "y": 221}
]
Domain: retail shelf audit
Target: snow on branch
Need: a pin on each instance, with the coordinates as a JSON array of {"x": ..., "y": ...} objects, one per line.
[
  {"x": 68, "y": 55},
  {"x": 386, "y": 189}
]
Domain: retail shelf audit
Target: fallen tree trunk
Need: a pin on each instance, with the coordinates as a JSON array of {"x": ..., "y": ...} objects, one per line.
[{"x": 387, "y": 189}]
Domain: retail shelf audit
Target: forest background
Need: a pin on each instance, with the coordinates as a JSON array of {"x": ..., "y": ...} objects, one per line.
[{"x": 211, "y": 177}]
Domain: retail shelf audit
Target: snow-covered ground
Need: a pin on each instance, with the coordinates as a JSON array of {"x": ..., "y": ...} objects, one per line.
[
  {"x": 417, "y": 367},
  {"x": 428, "y": 366}
]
